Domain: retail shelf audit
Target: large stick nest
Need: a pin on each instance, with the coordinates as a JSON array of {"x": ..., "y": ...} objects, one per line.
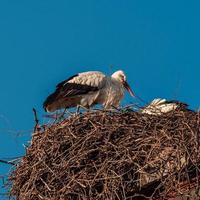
[{"x": 112, "y": 155}]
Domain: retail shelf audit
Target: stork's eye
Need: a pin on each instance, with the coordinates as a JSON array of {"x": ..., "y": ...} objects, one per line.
[{"x": 122, "y": 77}]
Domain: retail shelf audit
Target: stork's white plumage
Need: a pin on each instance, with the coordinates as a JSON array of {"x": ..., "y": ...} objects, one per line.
[
  {"x": 161, "y": 106},
  {"x": 87, "y": 89}
]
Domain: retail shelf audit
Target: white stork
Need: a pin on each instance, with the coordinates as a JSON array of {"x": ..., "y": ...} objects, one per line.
[
  {"x": 161, "y": 106},
  {"x": 87, "y": 89}
]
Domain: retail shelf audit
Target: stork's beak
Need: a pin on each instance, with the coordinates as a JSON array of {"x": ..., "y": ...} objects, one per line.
[{"x": 126, "y": 85}]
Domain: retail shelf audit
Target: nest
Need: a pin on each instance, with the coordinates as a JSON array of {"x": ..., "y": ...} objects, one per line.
[{"x": 112, "y": 155}]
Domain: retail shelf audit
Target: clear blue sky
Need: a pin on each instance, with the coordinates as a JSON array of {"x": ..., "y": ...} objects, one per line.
[{"x": 43, "y": 42}]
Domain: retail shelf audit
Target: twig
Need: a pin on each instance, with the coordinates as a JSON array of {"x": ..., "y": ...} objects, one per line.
[
  {"x": 36, "y": 119},
  {"x": 7, "y": 162}
]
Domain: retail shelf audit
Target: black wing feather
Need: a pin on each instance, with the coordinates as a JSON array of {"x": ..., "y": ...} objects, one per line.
[
  {"x": 66, "y": 90},
  {"x": 73, "y": 89},
  {"x": 65, "y": 81},
  {"x": 180, "y": 104}
]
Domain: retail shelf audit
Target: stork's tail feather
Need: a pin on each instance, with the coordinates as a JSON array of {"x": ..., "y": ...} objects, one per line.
[{"x": 48, "y": 105}]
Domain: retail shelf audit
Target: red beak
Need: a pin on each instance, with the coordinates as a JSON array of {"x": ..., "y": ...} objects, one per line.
[{"x": 127, "y": 87}]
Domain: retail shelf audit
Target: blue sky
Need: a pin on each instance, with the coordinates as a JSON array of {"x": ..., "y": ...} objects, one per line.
[{"x": 43, "y": 42}]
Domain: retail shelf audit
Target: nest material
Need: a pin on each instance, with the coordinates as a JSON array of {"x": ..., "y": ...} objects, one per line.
[{"x": 112, "y": 155}]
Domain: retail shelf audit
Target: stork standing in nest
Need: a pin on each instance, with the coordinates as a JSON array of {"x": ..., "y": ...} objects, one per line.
[{"x": 88, "y": 89}]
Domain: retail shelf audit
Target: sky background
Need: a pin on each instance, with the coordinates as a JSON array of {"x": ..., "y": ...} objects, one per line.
[{"x": 42, "y": 42}]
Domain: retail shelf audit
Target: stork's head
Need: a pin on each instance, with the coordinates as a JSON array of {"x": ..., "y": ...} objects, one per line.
[{"x": 121, "y": 77}]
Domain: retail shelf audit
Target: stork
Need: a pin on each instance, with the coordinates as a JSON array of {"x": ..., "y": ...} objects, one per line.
[
  {"x": 160, "y": 106},
  {"x": 88, "y": 89}
]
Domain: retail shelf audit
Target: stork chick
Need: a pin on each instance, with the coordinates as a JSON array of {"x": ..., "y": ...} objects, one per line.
[{"x": 88, "y": 89}]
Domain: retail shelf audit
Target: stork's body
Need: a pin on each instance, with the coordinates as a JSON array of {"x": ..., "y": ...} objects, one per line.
[{"x": 87, "y": 89}]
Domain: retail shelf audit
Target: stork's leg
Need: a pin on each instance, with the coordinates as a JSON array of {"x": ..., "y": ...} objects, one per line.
[
  {"x": 62, "y": 114},
  {"x": 56, "y": 117},
  {"x": 77, "y": 109},
  {"x": 87, "y": 108}
]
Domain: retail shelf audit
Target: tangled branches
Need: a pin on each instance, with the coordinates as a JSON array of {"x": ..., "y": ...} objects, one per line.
[{"x": 112, "y": 155}]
